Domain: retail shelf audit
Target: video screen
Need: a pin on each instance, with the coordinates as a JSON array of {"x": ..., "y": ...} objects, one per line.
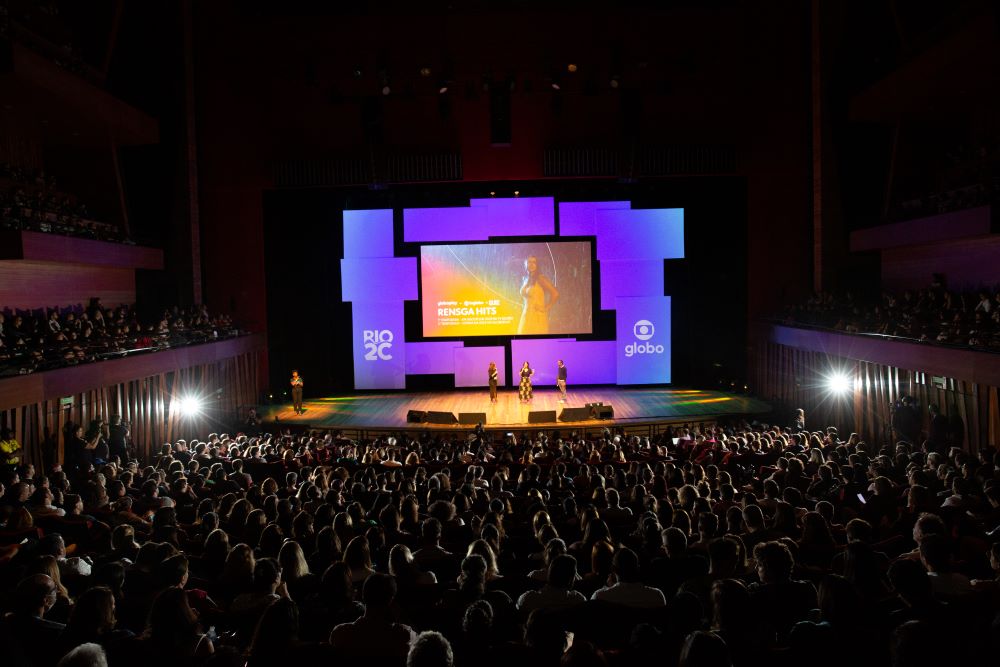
[{"x": 506, "y": 289}]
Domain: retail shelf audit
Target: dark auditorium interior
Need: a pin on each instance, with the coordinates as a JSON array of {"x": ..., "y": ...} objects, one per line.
[{"x": 473, "y": 333}]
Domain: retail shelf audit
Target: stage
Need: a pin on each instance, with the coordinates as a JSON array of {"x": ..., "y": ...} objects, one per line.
[{"x": 632, "y": 407}]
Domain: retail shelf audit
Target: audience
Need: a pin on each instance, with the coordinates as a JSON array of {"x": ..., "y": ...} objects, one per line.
[
  {"x": 306, "y": 548},
  {"x": 41, "y": 340},
  {"x": 932, "y": 315}
]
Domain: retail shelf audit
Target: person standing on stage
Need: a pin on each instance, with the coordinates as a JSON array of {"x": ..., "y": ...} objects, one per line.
[
  {"x": 494, "y": 378},
  {"x": 296, "y": 383},
  {"x": 561, "y": 381},
  {"x": 524, "y": 390}
]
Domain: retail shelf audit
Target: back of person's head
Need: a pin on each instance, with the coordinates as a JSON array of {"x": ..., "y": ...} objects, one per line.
[
  {"x": 730, "y": 604},
  {"x": 474, "y": 570},
  {"x": 626, "y": 566},
  {"x": 723, "y": 556},
  {"x": 704, "y": 649},
  {"x": 753, "y": 517},
  {"x": 839, "y": 601},
  {"x": 378, "y": 591},
  {"x": 430, "y": 649},
  {"x": 35, "y": 592},
  {"x": 85, "y": 655},
  {"x": 859, "y": 530},
  {"x": 562, "y": 572},
  {"x": 171, "y": 618},
  {"x": 430, "y": 530},
  {"x": 935, "y": 553},
  {"x": 173, "y": 571},
  {"x": 929, "y": 524},
  {"x": 675, "y": 541},
  {"x": 477, "y": 622},
  {"x": 266, "y": 575},
  {"x": 774, "y": 562}
]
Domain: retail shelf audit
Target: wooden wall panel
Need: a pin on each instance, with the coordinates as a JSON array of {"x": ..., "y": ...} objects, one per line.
[
  {"x": 791, "y": 378},
  {"x": 226, "y": 387},
  {"x": 25, "y": 284}
]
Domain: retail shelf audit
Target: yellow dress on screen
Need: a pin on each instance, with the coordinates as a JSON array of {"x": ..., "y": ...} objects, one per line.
[{"x": 534, "y": 318}]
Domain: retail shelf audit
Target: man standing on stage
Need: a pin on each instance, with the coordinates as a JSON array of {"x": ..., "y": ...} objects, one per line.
[
  {"x": 297, "y": 392},
  {"x": 561, "y": 381}
]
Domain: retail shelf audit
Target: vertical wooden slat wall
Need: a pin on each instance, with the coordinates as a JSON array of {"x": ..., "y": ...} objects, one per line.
[
  {"x": 148, "y": 403},
  {"x": 793, "y": 378}
]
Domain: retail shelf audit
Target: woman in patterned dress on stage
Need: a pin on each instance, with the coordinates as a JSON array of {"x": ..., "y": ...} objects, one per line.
[{"x": 524, "y": 391}]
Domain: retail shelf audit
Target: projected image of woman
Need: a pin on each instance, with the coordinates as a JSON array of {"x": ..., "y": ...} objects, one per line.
[
  {"x": 524, "y": 389},
  {"x": 538, "y": 295}
]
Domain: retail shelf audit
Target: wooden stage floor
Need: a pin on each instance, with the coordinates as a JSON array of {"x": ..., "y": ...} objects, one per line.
[{"x": 631, "y": 406}]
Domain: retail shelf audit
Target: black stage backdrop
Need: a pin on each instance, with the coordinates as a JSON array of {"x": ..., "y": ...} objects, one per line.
[{"x": 309, "y": 328}]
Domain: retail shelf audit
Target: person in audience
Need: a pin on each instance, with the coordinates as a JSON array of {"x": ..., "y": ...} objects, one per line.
[{"x": 627, "y": 588}]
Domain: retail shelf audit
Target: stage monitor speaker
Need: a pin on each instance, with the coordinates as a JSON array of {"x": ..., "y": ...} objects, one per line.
[
  {"x": 602, "y": 412},
  {"x": 574, "y": 414},
  {"x": 441, "y": 417},
  {"x": 541, "y": 416},
  {"x": 416, "y": 416},
  {"x": 472, "y": 418}
]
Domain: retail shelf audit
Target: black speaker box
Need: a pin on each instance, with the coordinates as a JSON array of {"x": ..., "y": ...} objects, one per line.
[
  {"x": 602, "y": 412},
  {"x": 416, "y": 417},
  {"x": 541, "y": 416},
  {"x": 574, "y": 414},
  {"x": 441, "y": 417},
  {"x": 472, "y": 418}
]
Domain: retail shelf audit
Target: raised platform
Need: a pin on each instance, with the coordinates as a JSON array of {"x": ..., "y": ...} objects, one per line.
[{"x": 632, "y": 407}]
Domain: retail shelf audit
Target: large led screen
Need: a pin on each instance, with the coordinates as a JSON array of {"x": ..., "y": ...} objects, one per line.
[{"x": 506, "y": 289}]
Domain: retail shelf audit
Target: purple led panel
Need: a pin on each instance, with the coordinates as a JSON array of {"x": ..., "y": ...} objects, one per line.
[
  {"x": 379, "y": 349},
  {"x": 633, "y": 277},
  {"x": 587, "y": 362},
  {"x": 472, "y": 365},
  {"x": 457, "y": 223},
  {"x": 368, "y": 233},
  {"x": 379, "y": 279},
  {"x": 431, "y": 358},
  {"x": 519, "y": 216},
  {"x": 643, "y": 347},
  {"x": 578, "y": 218},
  {"x": 656, "y": 233}
]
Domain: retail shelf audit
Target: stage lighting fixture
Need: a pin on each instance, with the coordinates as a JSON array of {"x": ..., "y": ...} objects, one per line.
[
  {"x": 555, "y": 85},
  {"x": 189, "y": 406},
  {"x": 517, "y": 193},
  {"x": 838, "y": 383},
  {"x": 443, "y": 88},
  {"x": 616, "y": 81},
  {"x": 425, "y": 71},
  {"x": 571, "y": 67},
  {"x": 493, "y": 194}
]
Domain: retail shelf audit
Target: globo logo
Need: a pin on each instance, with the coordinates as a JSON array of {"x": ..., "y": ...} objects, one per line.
[
  {"x": 643, "y": 330},
  {"x": 633, "y": 349}
]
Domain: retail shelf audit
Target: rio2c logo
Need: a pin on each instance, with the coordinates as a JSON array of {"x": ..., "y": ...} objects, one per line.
[{"x": 377, "y": 344}]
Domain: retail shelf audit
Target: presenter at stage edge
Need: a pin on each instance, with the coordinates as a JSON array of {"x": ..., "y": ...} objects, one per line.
[
  {"x": 494, "y": 377},
  {"x": 535, "y": 309},
  {"x": 561, "y": 381},
  {"x": 524, "y": 389},
  {"x": 297, "y": 383}
]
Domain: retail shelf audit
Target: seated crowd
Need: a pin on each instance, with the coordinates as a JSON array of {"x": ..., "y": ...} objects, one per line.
[
  {"x": 936, "y": 315},
  {"x": 709, "y": 546},
  {"x": 31, "y": 202},
  {"x": 44, "y": 339}
]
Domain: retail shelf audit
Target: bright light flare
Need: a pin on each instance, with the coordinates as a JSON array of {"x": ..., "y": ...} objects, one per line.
[
  {"x": 189, "y": 406},
  {"x": 838, "y": 383}
]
